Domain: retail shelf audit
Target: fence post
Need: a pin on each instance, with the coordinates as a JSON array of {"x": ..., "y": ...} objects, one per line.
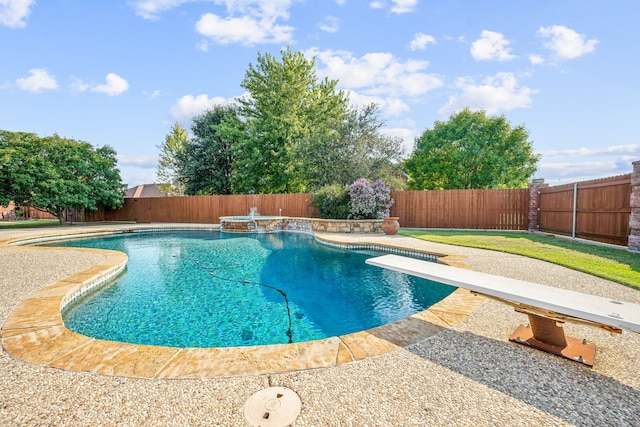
[
  {"x": 534, "y": 203},
  {"x": 634, "y": 219}
]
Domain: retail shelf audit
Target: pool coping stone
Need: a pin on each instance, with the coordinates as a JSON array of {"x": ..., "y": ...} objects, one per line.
[{"x": 35, "y": 331}]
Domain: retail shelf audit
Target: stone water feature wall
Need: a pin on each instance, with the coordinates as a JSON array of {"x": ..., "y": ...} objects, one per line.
[{"x": 317, "y": 225}]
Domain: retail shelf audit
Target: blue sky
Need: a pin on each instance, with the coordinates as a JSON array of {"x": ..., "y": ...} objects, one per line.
[{"x": 120, "y": 73}]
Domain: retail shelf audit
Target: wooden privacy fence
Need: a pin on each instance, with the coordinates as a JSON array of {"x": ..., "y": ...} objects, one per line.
[
  {"x": 472, "y": 209},
  {"x": 594, "y": 210},
  {"x": 27, "y": 212},
  {"x": 605, "y": 210},
  {"x": 477, "y": 209},
  {"x": 207, "y": 209}
]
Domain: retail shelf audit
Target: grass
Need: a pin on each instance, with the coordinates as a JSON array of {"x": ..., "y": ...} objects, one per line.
[
  {"x": 608, "y": 263},
  {"x": 29, "y": 223}
]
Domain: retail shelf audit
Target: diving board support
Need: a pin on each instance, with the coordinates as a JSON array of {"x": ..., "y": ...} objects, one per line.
[
  {"x": 546, "y": 332},
  {"x": 547, "y": 307},
  {"x": 547, "y": 335}
]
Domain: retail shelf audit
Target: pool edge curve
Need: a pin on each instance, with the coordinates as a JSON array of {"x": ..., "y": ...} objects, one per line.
[{"x": 35, "y": 332}]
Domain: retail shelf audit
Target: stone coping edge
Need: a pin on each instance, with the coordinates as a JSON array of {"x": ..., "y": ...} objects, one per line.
[{"x": 35, "y": 331}]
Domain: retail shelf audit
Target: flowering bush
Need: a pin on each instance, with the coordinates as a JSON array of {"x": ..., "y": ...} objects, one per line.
[{"x": 369, "y": 201}]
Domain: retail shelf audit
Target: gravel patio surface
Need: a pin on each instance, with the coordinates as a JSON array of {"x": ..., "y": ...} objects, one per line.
[{"x": 469, "y": 375}]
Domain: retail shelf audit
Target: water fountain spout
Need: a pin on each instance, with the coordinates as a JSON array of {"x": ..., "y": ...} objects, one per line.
[{"x": 253, "y": 212}]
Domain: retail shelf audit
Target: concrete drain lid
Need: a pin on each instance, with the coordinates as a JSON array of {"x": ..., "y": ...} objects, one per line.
[{"x": 272, "y": 407}]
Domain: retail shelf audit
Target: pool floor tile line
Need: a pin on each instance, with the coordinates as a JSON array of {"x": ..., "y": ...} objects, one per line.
[{"x": 35, "y": 332}]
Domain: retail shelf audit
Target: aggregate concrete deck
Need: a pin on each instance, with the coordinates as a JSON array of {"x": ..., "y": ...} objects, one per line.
[{"x": 450, "y": 365}]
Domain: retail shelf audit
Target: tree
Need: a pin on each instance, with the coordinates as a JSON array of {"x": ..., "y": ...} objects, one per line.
[
  {"x": 55, "y": 174},
  {"x": 357, "y": 150},
  {"x": 206, "y": 162},
  {"x": 471, "y": 150},
  {"x": 288, "y": 108},
  {"x": 167, "y": 172}
]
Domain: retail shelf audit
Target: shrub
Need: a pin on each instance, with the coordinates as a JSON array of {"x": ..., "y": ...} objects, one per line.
[
  {"x": 332, "y": 201},
  {"x": 369, "y": 201}
]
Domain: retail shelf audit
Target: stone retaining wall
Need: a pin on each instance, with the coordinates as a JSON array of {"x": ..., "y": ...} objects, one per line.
[{"x": 307, "y": 225}]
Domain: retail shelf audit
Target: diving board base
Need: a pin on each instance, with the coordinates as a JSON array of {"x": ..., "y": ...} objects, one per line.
[{"x": 546, "y": 337}]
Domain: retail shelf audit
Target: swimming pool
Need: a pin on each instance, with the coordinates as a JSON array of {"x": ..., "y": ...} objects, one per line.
[{"x": 210, "y": 289}]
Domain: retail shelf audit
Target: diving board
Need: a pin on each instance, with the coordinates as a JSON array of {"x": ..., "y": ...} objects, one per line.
[{"x": 545, "y": 306}]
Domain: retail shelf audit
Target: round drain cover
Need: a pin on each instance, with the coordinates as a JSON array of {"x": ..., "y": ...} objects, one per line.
[{"x": 272, "y": 407}]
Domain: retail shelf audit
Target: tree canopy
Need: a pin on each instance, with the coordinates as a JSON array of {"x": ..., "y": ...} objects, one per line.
[
  {"x": 471, "y": 150},
  {"x": 206, "y": 163},
  {"x": 167, "y": 172},
  {"x": 288, "y": 107},
  {"x": 54, "y": 174},
  {"x": 293, "y": 132}
]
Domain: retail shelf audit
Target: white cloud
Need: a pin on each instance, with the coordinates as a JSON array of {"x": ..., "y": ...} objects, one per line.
[
  {"x": 421, "y": 40},
  {"x": 340, "y": 2},
  {"x": 490, "y": 46},
  {"x": 329, "y": 24},
  {"x": 358, "y": 100},
  {"x": 395, "y": 107},
  {"x": 78, "y": 85},
  {"x": 150, "y": 9},
  {"x": 577, "y": 164},
  {"x": 565, "y": 43},
  {"x": 631, "y": 149},
  {"x": 408, "y": 137},
  {"x": 572, "y": 171},
  {"x": 189, "y": 106},
  {"x": 39, "y": 80},
  {"x": 376, "y": 74},
  {"x": 202, "y": 45},
  {"x": 146, "y": 161},
  {"x": 13, "y": 13},
  {"x": 245, "y": 30},
  {"x": 249, "y": 22},
  {"x": 389, "y": 106},
  {"x": 496, "y": 94},
  {"x": 397, "y": 6},
  {"x": 115, "y": 85},
  {"x": 403, "y": 6},
  {"x": 536, "y": 59},
  {"x": 152, "y": 95}
]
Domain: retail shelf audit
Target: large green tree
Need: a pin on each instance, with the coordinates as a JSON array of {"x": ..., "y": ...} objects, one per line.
[
  {"x": 169, "y": 177},
  {"x": 471, "y": 150},
  {"x": 288, "y": 108},
  {"x": 206, "y": 162},
  {"x": 357, "y": 150},
  {"x": 54, "y": 174}
]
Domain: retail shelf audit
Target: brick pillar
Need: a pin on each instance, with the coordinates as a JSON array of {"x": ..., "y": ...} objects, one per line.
[
  {"x": 634, "y": 219},
  {"x": 534, "y": 203}
]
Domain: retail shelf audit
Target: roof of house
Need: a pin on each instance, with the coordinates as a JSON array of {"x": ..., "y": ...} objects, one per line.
[{"x": 144, "y": 191}]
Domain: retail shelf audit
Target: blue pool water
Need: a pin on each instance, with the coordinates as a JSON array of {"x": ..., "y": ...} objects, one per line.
[{"x": 211, "y": 289}]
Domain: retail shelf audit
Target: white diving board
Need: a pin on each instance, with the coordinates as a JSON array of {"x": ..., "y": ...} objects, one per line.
[{"x": 546, "y": 306}]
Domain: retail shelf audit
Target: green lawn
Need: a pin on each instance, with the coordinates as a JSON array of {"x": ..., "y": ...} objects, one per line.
[
  {"x": 609, "y": 263},
  {"x": 29, "y": 223}
]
